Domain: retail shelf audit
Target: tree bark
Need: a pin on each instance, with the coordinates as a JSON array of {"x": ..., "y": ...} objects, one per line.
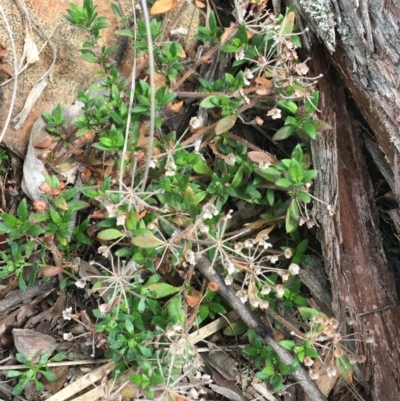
[{"x": 364, "y": 47}]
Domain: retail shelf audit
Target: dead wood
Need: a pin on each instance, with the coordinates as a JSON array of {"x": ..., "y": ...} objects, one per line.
[
  {"x": 362, "y": 285},
  {"x": 363, "y": 42}
]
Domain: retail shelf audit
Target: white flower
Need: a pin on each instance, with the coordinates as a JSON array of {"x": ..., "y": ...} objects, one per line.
[
  {"x": 301, "y": 69},
  {"x": 264, "y": 164},
  {"x": 228, "y": 280},
  {"x": 204, "y": 228},
  {"x": 104, "y": 250},
  {"x": 275, "y": 113},
  {"x": 288, "y": 253},
  {"x": 194, "y": 393},
  {"x": 231, "y": 269},
  {"x": 206, "y": 378},
  {"x": 258, "y": 120},
  {"x": 230, "y": 159},
  {"x": 80, "y": 283},
  {"x": 311, "y": 223},
  {"x": 264, "y": 305},
  {"x": 190, "y": 257},
  {"x": 280, "y": 290},
  {"x": 313, "y": 375},
  {"x": 248, "y": 243},
  {"x": 177, "y": 327},
  {"x": 121, "y": 219},
  {"x": 285, "y": 276},
  {"x": 302, "y": 221},
  {"x": 152, "y": 164},
  {"x": 196, "y": 122},
  {"x": 67, "y": 313},
  {"x": 265, "y": 244},
  {"x": 170, "y": 166},
  {"x": 68, "y": 336},
  {"x": 255, "y": 303},
  {"x": 308, "y": 361},
  {"x": 104, "y": 308},
  {"x": 273, "y": 259},
  {"x": 242, "y": 295},
  {"x": 331, "y": 371},
  {"x": 294, "y": 269},
  {"x": 239, "y": 246},
  {"x": 239, "y": 55},
  {"x": 247, "y": 76},
  {"x": 209, "y": 211},
  {"x": 265, "y": 290}
]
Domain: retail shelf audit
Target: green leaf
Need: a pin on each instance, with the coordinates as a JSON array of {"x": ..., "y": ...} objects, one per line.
[
  {"x": 175, "y": 310},
  {"x": 10, "y": 220},
  {"x": 22, "y": 210},
  {"x": 287, "y": 344},
  {"x": 309, "y": 175},
  {"x": 58, "y": 357},
  {"x": 201, "y": 167},
  {"x": 77, "y": 205},
  {"x": 109, "y": 234},
  {"x": 14, "y": 373},
  {"x": 345, "y": 368},
  {"x": 35, "y": 230},
  {"x": 310, "y": 130},
  {"x": 304, "y": 197},
  {"x": 147, "y": 241},
  {"x": 295, "y": 171},
  {"x": 236, "y": 328},
  {"x": 312, "y": 353},
  {"x": 270, "y": 173},
  {"x": 287, "y": 105},
  {"x": 284, "y": 132},
  {"x": 312, "y": 103},
  {"x": 288, "y": 23},
  {"x": 50, "y": 376},
  {"x": 161, "y": 290},
  {"x": 297, "y": 153},
  {"x": 292, "y": 216},
  {"x": 21, "y": 358},
  {"x": 210, "y": 102},
  {"x": 283, "y": 182},
  {"x": 309, "y": 313},
  {"x": 238, "y": 178},
  {"x": 225, "y": 124}
]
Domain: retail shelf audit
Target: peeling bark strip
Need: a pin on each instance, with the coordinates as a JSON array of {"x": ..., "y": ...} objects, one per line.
[
  {"x": 252, "y": 321},
  {"x": 362, "y": 285}
]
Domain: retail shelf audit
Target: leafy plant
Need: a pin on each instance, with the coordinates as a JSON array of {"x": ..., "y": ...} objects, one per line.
[{"x": 33, "y": 372}]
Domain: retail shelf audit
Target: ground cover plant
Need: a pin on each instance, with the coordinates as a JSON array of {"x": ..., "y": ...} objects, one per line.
[{"x": 156, "y": 233}]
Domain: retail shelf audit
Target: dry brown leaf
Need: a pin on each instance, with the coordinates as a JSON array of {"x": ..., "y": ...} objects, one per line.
[
  {"x": 264, "y": 233},
  {"x": 259, "y": 156},
  {"x": 7, "y": 70},
  {"x": 33, "y": 344},
  {"x": 228, "y": 33},
  {"x": 51, "y": 271},
  {"x": 175, "y": 107},
  {"x": 163, "y": 6},
  {"x": 192, "y": 301},
  {"x": 45, "y": 143},
  {"x": 199, "y": 4}
]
